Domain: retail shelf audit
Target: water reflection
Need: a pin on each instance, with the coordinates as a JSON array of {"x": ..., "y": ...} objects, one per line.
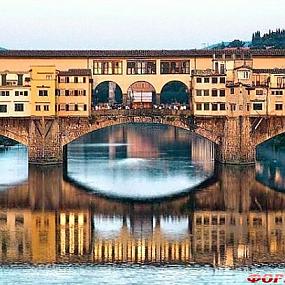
[
  {"x": 233, "y": 217},
  {"x": 234, "y": 221},
  {"x": 139, "y": 163},
  {"x": 13, "y": 164}
]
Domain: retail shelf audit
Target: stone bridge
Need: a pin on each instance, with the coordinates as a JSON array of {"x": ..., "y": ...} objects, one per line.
[{"x": 236, "y": 138}]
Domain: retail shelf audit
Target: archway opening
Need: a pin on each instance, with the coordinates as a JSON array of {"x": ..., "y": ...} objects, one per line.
[
  {"x": 270, "y": 166},
  {"x": 174, "y": 93},
  {"x": 13, "y": 162},
  {"x": 136, "y": 156},
  {"x": 141, "y": 94},
  {"x": 6, "y": 142},
  {"x": 107, "y": 94}
]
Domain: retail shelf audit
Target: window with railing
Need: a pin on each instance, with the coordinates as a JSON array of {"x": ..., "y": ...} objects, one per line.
[
  {"x": 175, "y": 67},
  {"x": 107, "y": 67},
  {"x": 141, "y": 67}
]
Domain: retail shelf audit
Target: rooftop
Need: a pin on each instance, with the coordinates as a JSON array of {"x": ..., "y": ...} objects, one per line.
[
  {"x": 271, "y": 71},
  {"x": 137, "y": 53},
  {"x": 75, "y": 72}
]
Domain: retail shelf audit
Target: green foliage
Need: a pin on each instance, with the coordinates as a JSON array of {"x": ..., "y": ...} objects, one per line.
[
  {"x": 236, "y": 44},
  {"x": 272, "y": 39}
]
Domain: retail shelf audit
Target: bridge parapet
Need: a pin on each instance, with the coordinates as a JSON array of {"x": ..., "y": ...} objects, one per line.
[{"x": 142, "y": 112}]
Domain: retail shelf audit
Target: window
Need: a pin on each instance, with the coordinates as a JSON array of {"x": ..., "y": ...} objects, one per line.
[
  {"x": 16, "y": 93},
  {"x": 259, "y": 92},
  {"x": 141, "y": 67},
  {"x": 243, "y": 75},
  {"x": 19, "y": 107},
  {"x": 75, "y": 92},
  {"x": 206, "y": 92},
  {"x": 5, "y": 93},
  {"x": 278, "y": 220},
  {"x": 3, "y": 108},
  {"x": 84, "y": 79},
  {"x": 278, "y": 107},
  {"x": 38, "y": 107},
  {"x": 106, "y": 67},
  {"x": 206, "y": 80},
  {"x": 199, "y": 80},
  {"x": 206, "y": 106},
  {"x": 75, "y": 79},
  {"x": 222, "y": 80},
  {"x": 4, "y": 79},
  {"x": 214, "y": 92},
  {"x": 257, "y": 106},
  {"x": 76, "y": 107},
  {"x": 20, "y": 79},
  {"x": 222, "y": 69},
  {"x": 66, "y": 107},
  {"x": 46, "y": 107},
  {"x": 233, "y": 107},
  {"x": 176, "y": 67},
  {"x": 222, "y": 106},
  {"x": 25, "y": 93},
  {"x": 214, "y": 80},
  {"x": 198, "y": 92},
  {"x": 198, "y": 106},
  {"x": 281, "y": 82},
  {"x": 43, "y": 93},
  {"x": 222, "y": 93},
  {"x": 277, "y": 92},
  {"x": 232, "y": 91},
  {"x": 214, "y": 107},
  {"x": 85, "y": 107}
]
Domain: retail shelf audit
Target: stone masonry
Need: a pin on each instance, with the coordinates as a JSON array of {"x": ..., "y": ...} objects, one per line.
[{"x": 236, "y": 138}]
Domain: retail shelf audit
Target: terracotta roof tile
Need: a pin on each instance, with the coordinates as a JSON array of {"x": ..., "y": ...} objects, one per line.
[
  {"x": 270, "y": 71},
  {"x": 76, "y": 72},
  {"x": 138, "y": 53}
]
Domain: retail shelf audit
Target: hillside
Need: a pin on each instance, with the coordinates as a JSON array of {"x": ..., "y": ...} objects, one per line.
[{"x": 272, "y": 39}]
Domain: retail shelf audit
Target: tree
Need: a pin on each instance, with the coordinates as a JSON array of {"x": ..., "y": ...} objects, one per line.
[{"x": 236, "y": 44}]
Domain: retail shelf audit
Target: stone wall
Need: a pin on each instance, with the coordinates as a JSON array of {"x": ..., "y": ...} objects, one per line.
[{"x": 236, "y": 138}]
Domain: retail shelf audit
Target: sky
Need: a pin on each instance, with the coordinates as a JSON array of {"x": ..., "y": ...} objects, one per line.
[{"x": 133, "y": 24}]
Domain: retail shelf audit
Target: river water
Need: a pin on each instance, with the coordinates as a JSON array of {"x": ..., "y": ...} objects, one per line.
[{"x": 141, "y": 204}]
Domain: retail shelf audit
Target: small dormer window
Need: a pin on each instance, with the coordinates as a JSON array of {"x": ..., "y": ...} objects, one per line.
[{"x": 243, "y": 74}]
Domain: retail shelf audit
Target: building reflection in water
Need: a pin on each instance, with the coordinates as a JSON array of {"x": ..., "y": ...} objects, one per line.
[{"x": 233, "y": 221}]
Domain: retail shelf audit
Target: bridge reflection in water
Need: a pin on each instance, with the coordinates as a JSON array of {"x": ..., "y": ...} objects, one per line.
[{"x": 233, "y": 221}]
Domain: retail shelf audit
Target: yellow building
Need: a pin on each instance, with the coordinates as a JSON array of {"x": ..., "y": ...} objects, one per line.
[
  {"x": 15, "y": 94},
  {"x": 234, "y": 82},
  {"x": 209, "y": 92},
  {"x": 43, "y": 85},
  {"x": 74, "y": 92}
]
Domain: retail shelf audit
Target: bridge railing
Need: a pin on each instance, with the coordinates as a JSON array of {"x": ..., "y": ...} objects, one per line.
[{"x": 141, "y": 112}]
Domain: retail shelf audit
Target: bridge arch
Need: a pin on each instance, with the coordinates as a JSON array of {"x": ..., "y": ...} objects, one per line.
[
  {"x": 14, "y": 137},
  {"x": 174, "y": 91},
  {"x": 74, "y": 128},
  {"x": 268, "y": 129},
  {"x": 142, "y": 93},
  {"x": 107, "y": 92}
]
